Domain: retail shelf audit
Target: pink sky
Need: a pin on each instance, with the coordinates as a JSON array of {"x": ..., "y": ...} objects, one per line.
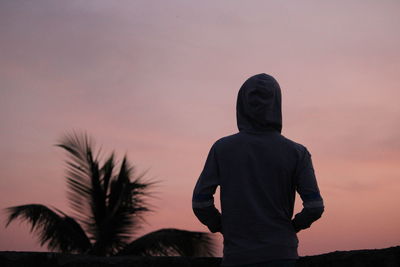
[{"x": 158, "y": 80}]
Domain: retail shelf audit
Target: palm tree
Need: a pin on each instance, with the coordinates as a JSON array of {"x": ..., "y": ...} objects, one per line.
[{"x": 109, "y": 209}]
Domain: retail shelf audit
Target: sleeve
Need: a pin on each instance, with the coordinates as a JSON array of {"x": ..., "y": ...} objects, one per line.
[
  {"x": 203, "y": 194},
  {"x": 307, "y": 187}
]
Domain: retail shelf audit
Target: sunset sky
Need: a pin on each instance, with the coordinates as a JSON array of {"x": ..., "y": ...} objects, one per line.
[{"x": 158, "y": 80}]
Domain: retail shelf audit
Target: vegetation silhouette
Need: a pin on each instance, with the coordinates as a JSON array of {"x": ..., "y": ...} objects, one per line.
[{"x": 109, "y": 208}]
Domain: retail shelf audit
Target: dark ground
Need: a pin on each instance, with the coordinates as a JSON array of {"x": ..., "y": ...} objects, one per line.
[{"x": 388, "y": 257}]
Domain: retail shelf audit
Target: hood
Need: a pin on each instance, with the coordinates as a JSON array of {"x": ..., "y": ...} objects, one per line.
[{"x": 258, "y": 106}]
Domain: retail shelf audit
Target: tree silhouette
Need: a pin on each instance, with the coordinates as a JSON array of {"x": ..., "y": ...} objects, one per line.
[{"x": 109, "y": 209}]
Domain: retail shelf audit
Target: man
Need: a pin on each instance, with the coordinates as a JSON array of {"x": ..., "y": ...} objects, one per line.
[{"x": 258, "y": 171}]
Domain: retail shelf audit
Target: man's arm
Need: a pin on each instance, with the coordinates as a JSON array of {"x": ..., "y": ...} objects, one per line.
[
  {"x": 307, "y": 187},
  {"x": 203, "y": 194}
]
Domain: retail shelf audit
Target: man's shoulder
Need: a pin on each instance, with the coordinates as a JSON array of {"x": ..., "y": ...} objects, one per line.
[
  {"x": 228, "y": 139},
  {"x": 294, "y": 144}
]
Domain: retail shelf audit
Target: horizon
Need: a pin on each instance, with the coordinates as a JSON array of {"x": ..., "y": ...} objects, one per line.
[{"x": 158, "y": 82}]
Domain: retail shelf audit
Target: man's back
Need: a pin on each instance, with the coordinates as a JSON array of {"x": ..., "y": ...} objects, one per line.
[{"x": 258, "y": 171}]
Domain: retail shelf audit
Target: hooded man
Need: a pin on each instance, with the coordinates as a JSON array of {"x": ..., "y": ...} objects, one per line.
[{"x": 258, "y": 171}]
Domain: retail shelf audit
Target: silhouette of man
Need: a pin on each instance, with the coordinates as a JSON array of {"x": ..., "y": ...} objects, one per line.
[{"x": 258, "y": 171}]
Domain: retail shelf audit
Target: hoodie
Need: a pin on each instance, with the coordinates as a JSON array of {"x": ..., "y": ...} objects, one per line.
[{"x": 259, "y": 172}]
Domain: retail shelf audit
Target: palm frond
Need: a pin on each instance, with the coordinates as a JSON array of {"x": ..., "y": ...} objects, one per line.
[
  {"x": 109, "y": 205},
  {"x": 171, "y": 242},
  {"x": 128, "y": 195},
  {"x": 60, "y": 232},
  {"x": 107, "y": 172},
  {"x": 87, "y": 191},
  {"x": 125, "y": 207},
  {"x": 78, "y": 175}
]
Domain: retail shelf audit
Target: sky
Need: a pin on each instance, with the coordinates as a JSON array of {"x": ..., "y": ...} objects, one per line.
[{"x": 158, "y": 81}]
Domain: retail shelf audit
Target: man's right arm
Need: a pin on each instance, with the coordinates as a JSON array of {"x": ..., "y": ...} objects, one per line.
[
  {"x": 307, "y": 187},
  {"x": 203, "y": 194}
]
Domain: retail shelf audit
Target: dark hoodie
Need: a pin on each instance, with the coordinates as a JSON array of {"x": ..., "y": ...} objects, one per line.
[{"x": 258, "y": 171}]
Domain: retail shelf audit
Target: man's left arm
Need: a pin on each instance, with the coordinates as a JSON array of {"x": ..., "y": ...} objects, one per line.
[{"x": 203, "y": 194}]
